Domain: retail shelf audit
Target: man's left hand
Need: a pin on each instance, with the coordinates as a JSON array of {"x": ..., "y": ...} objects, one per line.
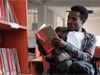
[{"x": 58, "y": 43}]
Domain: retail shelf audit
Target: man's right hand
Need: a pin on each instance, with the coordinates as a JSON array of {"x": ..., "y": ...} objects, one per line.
[{"x": 39, "y": 41}]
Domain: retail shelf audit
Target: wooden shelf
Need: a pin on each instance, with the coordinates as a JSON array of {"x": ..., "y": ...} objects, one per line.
[
  {"x": 6, "y": 26},
  {"x": 36, "y": 66}
]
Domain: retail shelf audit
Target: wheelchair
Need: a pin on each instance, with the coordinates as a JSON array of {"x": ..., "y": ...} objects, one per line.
[{"x": 94, "y": 62}]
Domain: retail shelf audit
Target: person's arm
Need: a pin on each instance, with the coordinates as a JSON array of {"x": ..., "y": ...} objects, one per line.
[{"x": 87, "y": 54}]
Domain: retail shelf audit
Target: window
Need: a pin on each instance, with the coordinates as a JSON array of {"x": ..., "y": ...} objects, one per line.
[
  {"x": 32, "y": 22},
  {"x": 59, "y": 21}
]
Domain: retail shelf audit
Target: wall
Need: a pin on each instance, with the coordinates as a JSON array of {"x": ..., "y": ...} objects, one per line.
[
  {"x": 49, "y": 17},
  {"x": 93, "y": 24},
  {"x": 31, "y": 42}
]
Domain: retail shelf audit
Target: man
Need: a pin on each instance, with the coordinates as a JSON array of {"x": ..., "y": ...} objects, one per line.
[{"x": 75, "y": 47}]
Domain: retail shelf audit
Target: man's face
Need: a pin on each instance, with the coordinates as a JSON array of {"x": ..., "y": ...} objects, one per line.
[{"x": 74, "y": 23}]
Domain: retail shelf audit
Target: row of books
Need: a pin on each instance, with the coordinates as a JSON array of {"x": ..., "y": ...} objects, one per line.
[
  {"x": 9, "y": 63},
  {"x": 7, "y": 11}
]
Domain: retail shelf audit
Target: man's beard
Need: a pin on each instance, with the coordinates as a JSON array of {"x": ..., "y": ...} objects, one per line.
[{"x": 73, "y": 29}]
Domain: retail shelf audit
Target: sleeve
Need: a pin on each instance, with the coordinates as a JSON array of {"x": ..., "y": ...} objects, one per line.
[{"x": 85, "y": 54}]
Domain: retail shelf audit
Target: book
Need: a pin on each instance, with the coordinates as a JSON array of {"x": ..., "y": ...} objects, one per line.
[
  {"x": 1, "y": 64},
  {"x": 47, "y": 33},
  {"x": 16, "y": 61},
  {"x": 4, "y": 58},
  {"x": 1, "y": 10},
  {"x": 5, "y": 3},
  {"x": 12, "y": 13}
]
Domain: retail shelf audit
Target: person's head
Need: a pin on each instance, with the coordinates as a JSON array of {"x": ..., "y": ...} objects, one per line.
[{"x": 77, "y": 17}]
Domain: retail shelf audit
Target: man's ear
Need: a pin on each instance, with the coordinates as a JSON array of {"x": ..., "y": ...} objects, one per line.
[{"x": 83, "y": 21}]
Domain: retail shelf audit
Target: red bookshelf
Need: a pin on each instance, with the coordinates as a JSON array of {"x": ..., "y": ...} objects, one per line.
[{"x": 17, "y": 38}]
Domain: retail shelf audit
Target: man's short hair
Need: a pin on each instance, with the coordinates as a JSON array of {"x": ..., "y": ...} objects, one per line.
[{"x": 83, "y": 11}]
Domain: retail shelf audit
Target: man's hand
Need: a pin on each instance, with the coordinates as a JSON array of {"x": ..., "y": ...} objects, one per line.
[
  {"x": 39, "y": 41},
  {"x": 58, "y": 43}
]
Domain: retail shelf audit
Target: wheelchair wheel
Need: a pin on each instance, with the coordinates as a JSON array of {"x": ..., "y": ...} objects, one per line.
[{"x": 46, "y": 72}]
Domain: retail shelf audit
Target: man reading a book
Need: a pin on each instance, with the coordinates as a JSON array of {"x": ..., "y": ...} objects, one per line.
[{"x": 75, "y": 47}]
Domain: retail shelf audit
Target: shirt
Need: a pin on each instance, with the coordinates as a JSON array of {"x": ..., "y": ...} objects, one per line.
[
  {"x": 75, "y": 38},
  {"x": 88, "y": 45}
]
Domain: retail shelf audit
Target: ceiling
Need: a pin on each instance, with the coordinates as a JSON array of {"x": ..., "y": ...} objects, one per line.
[
  {"x": 62, "y": 6},
  {"x": 66, "y": 3}
]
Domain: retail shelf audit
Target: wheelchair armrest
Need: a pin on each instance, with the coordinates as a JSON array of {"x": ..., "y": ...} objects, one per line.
[
  {"x": 49, "y": 59},
  {"x": 96, "y": 58}
]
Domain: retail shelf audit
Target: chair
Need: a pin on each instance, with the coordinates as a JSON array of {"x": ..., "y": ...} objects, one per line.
[
  {"x": 95, "y": 61},
  {"x": 95, "y": 64}
]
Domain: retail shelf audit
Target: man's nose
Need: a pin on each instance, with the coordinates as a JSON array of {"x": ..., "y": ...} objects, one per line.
[{"x": 69, "y": 21}]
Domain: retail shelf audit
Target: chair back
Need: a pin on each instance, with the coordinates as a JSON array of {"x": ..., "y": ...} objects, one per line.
[{"x": 97, "y": 53}]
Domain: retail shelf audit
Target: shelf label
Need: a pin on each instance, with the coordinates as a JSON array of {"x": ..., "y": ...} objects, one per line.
[{"x": 15, "y": 25}]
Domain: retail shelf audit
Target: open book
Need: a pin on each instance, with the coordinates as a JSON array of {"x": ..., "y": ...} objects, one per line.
[{"x": 47, "y": 33}]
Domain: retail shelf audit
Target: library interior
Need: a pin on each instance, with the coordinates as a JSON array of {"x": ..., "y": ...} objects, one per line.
[{"x": 19, "y": 22}]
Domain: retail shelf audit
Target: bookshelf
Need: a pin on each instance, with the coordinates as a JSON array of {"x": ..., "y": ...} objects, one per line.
[
  {"x": 36, "y": 66},
  {"x": 17, "y": 38}
]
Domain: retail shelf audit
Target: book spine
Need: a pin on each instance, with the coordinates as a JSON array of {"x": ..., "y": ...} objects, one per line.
[
  {"x": 12, "y": 62},
  {"x": 6, "y": 11},
  {"x": 13, "y": 12},
  {"x": 1, "y": 64},
  {"x": 5, "y": 61},
  {"x": 16, "y": 61},
  {"x": 1, "y": 10},
  {"x": 10, "y": 12},
  {"x": 9, "y": 61}
]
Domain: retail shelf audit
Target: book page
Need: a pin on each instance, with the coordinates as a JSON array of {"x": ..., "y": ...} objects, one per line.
[
  {"x": 42, "y": 26},
  {"x": 51, "y": 32}
]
